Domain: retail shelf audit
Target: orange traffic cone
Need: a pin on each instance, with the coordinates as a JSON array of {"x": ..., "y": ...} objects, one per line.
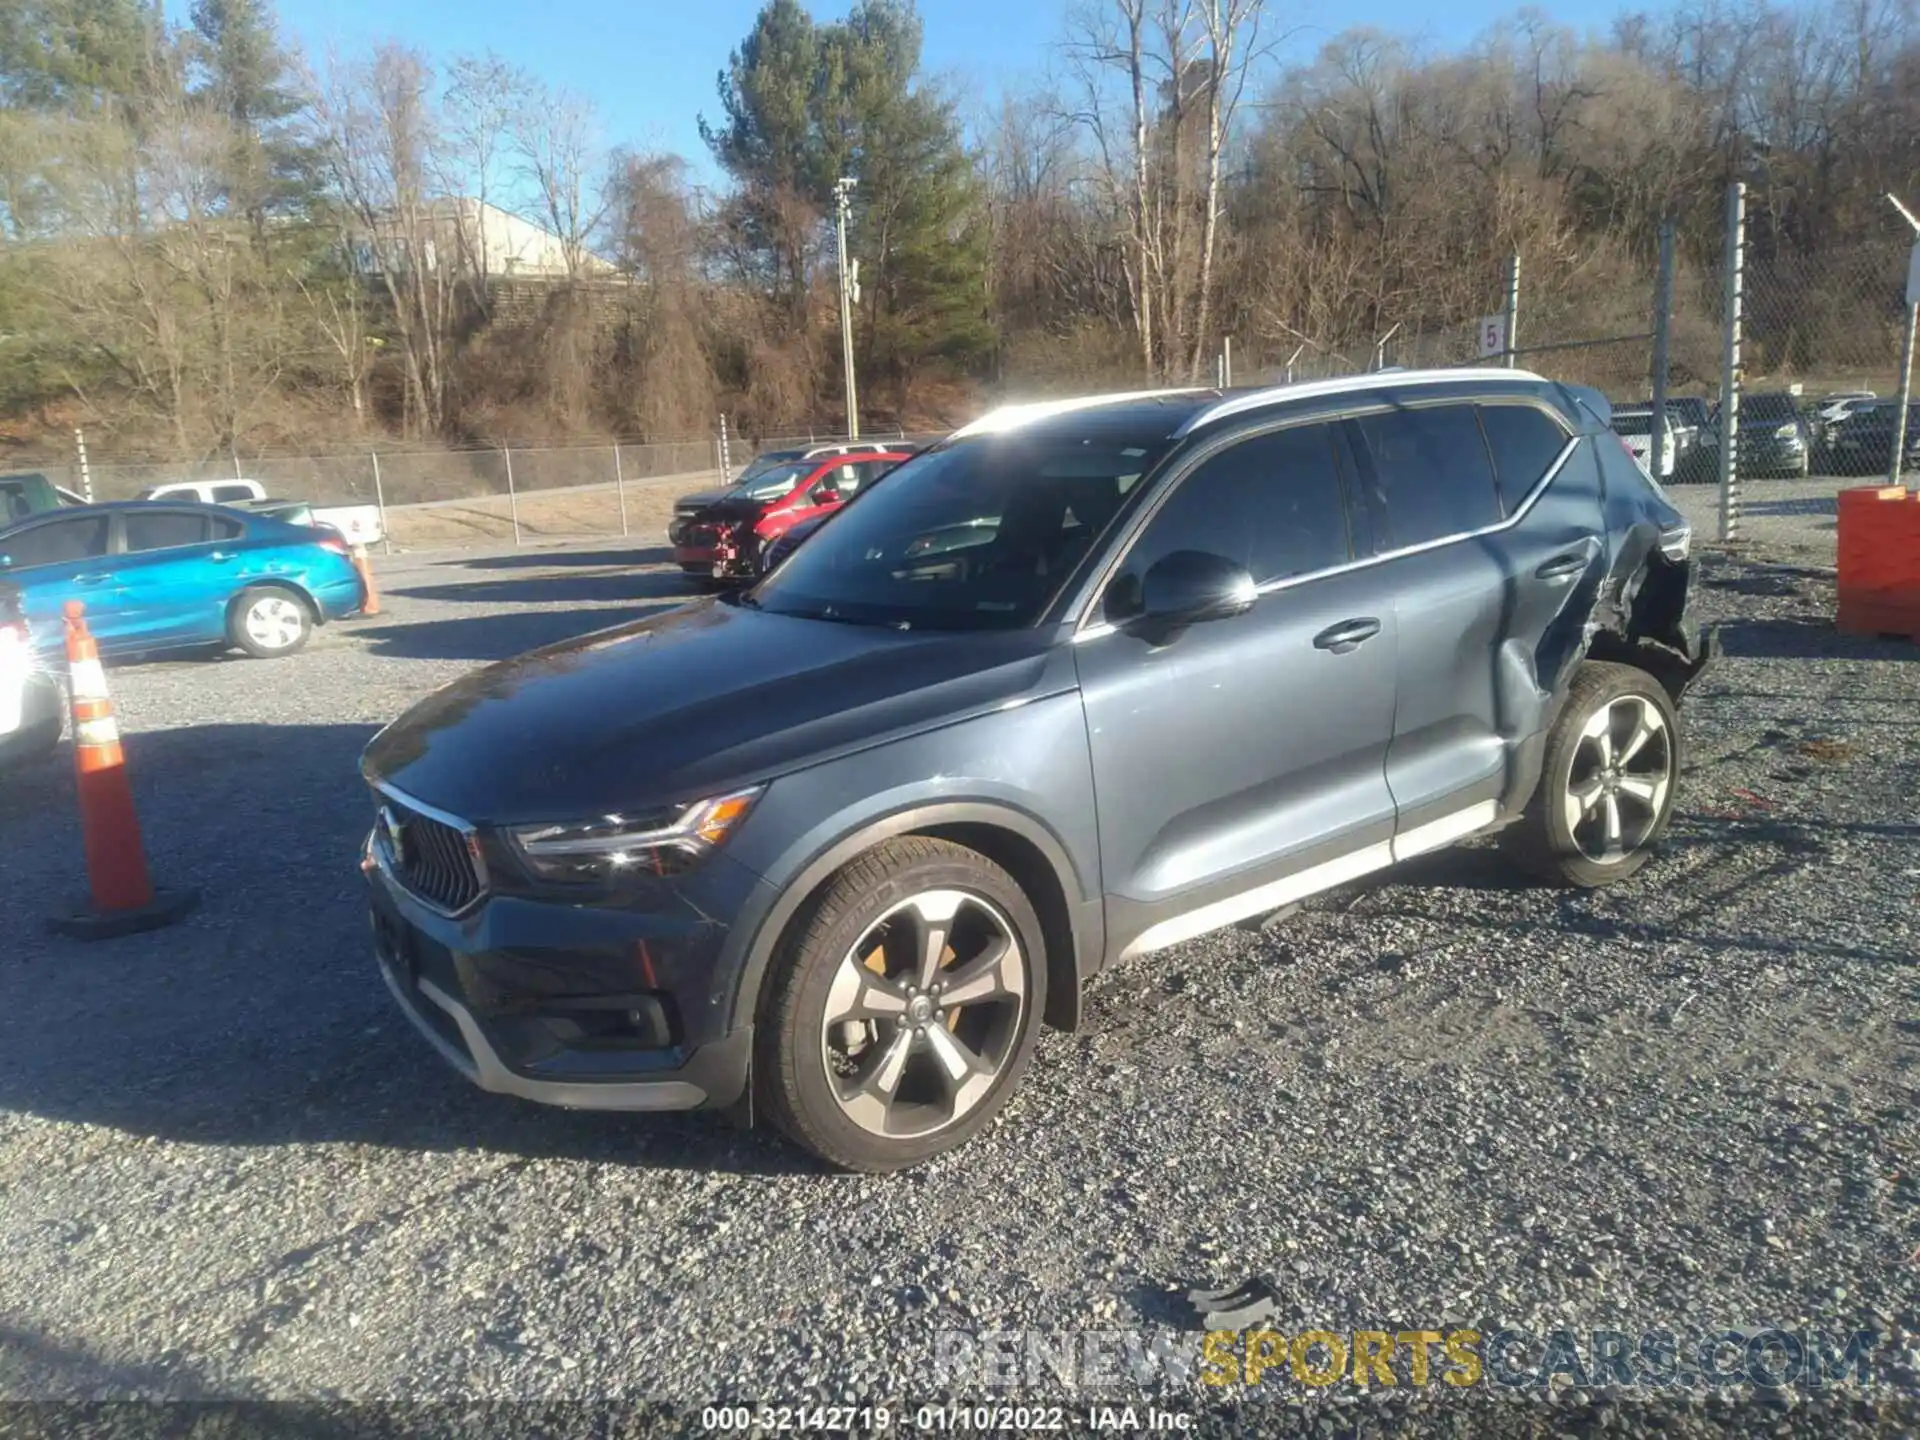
[
  {"x": 123, "y": 898},
  {"x": 365, "y": 567}
]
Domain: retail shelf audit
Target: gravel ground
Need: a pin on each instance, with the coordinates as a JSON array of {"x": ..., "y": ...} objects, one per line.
[{"x": 1434, "y": 1099}]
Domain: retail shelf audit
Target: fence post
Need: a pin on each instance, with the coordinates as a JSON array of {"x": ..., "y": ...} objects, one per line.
[
  {"x": 1735, "y": 281},
  {"x": 380, "y": 499},
  {"x": 513, "y": 501},
  {"x": 1662, "y": 339},
  {"x": 1513, "y": 308},
  {"x": 726, "y": 460},
  {"x": 620, "y": 486},
  {"x": 1906, "y": 387},
  {"x": 1227, "y": 357},
  {"x": 86, "y": 472}
]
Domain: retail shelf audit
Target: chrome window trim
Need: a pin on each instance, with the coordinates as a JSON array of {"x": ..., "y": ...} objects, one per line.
[
  {"x": 1085, "y": 631},
  {"x": 383, "y": 858}
]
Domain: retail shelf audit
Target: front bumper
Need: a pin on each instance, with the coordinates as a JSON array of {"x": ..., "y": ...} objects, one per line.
[{"x": 585, "y": 1007}]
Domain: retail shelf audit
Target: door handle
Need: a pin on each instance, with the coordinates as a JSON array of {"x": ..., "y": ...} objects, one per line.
[
  {"x": 93, "y": 578},
  {"x": 1562, "y": 567},
  {"x": 221, "y": 555},
  {"x": 1347, "y": 635}
]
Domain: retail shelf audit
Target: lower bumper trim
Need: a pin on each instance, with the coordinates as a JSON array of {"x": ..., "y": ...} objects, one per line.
[{"x": 483, "y": 1066}]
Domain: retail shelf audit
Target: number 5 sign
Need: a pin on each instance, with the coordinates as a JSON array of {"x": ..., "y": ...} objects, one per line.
[{"x": 1493, "y": 335}]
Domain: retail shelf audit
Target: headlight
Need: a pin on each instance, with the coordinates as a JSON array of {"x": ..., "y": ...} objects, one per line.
[
  {"x": 1786, "y": 432},
  {"x": 602, "y": 849}
]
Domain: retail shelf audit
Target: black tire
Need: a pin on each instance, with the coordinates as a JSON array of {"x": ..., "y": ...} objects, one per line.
[
  {"x": 1547, "y": 840},
  {"x": 269, "y": 621},
  {"x": 794, "y": 1056}
]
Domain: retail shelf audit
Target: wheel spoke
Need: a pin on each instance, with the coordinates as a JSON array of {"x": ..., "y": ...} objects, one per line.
[
  {"x": 1613, "y": 822},
  {"x": 967, "y": 1075},
  {"x": 993, "y": 973},
  {"x": 1645, "y": 727},
  {"x": 934, "y": 911},
  {"x": 1644, "y": 788},
  {"x": 859, "y": 994}
]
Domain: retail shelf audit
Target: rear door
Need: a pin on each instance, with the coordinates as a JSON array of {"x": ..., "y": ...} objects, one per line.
[
  {"x": 179, "y": 569},
  {"x": 1245, "y": 755},
  {"x": 1484, "y": 564}
]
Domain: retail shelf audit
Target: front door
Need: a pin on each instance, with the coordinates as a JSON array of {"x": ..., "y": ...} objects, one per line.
[
  {"x": 179, "y": 571},
  {"x": 1243, "y": 762}
]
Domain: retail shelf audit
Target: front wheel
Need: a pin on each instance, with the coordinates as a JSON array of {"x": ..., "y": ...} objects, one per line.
[
  {"x": 268, "y": 622},
  {"x": 1607, "y": 783},
  {"x": 905, "y": 1009}
]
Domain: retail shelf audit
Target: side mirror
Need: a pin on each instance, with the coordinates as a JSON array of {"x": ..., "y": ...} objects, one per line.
[
  {"x": 825, "y": 494},
  {"x": 1190, "y": 586}
]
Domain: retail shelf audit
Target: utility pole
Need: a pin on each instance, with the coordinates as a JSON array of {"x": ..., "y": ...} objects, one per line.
[
  {"x": 849, "y": 294},
  {"x": 1734, "y": 278},
  {"x": 1906, "y": 347}
]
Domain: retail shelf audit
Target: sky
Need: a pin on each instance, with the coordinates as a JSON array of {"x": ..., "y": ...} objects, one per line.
[{"x": 650, "y": 65}]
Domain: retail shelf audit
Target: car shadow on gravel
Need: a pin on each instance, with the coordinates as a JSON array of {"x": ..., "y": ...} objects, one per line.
[
  {"x": 555, "y": 559},
  {"x": 496, "y": 637},
  {"x": 612, "y": 587},
  {"x": 260, "y": 1020},
  {"x": 1810, "y": 637}
]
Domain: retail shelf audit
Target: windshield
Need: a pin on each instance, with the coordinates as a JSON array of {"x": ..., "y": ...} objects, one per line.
[
  {"x": 1769, "y": 407},
  {"x": 769, "y": 484},
  {"x": 1632, "y": 424},
  {"x": 980, "y": 534}
]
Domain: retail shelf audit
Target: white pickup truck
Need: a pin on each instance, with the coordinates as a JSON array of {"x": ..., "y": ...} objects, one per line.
[{"x": 357, "y": 524}]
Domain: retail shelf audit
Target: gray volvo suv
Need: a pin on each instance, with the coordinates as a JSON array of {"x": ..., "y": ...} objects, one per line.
[{"x": 1083, "y": 681}]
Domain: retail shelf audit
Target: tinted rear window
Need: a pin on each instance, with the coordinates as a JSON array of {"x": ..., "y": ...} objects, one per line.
[
  {"x": 1525, "y": 443},
  {"x": 164, "y": 530},
  {"x": 1431, "y": 471}
]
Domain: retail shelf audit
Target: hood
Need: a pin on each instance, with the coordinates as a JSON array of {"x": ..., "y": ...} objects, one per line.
[
  {"x": 687, "y": 704},
  {"x": 699, "y": 500}
]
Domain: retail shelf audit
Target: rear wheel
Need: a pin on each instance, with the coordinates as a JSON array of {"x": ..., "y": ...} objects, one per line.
[
  {"x": 905, "y": 1009},
  {"x": 1607, "y": 784},
  {"x": 268, "y": 622}
]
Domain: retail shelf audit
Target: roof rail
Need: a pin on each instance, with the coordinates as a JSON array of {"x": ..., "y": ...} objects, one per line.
[
  {"x": 1012, "y": 417},
  {"x": 1346, "y": 385}
]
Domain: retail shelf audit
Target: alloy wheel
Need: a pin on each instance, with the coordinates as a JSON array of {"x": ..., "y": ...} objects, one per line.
[
  {"x": 274, "y": 622},
  {"x": 1621, "y": 773},
  {"x": 924, "y": 1013}
]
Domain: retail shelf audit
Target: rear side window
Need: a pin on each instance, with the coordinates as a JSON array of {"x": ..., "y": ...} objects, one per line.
[
  {"x": 1525, "y": 443},
  {"x": 164, "y": 530},
  {"x": 1273, "y": 503},
  {"x": 65, "y": 540},
  {"x": 1431, "y": 469},
  {"x": 224, "y": 528}
]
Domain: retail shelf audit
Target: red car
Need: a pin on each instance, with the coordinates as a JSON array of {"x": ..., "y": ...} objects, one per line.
[{"x": 723, "y": 535}]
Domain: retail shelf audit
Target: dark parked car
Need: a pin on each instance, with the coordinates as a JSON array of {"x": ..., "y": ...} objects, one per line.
[
  {"x": 726, "y": 537},
  {"x": 1775, "y": 439},
  {"x": 177, "y": 575},
  {"x": 31, "y": 701},
  {"x": 1083, "y": 682},
  {"x": 1861, "y": 442}
]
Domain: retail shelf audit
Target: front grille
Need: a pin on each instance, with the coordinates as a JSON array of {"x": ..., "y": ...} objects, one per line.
[{"x": 431, "y": 858}]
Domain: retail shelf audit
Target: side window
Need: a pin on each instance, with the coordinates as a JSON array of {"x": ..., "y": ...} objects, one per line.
[
  {"x": 66, "y": 540},
  {"x": 1432, "y": 472},
  {"x": 224, "y": 493},
  {"x": 164, "y": 529},
  {"x": 1272, "y": 503},
  {"x": 1525, "y": 443},
  {"x": 225, "y": 528}
]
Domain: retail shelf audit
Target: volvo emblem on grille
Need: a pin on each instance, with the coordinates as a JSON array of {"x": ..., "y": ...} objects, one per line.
[{"x": 396, "y": 834}]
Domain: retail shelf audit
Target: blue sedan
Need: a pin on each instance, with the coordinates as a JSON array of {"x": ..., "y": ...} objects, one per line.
[{"x": 170, "y": 575}]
